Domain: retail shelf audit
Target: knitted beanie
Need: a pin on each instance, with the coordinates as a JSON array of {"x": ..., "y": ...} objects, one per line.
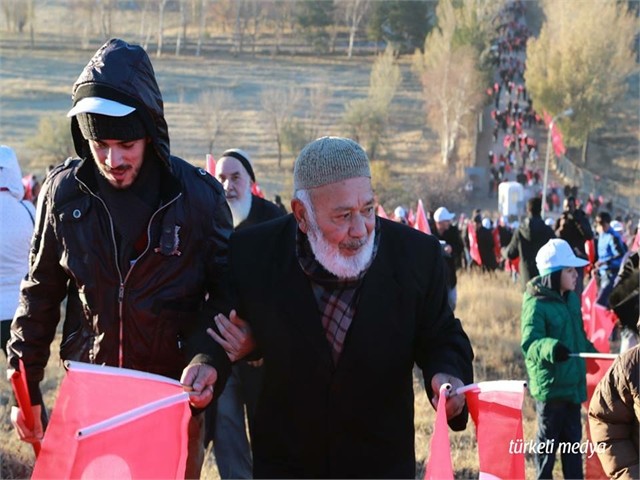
[
  {"x": 104, "y": 127},
  {"x": 329, "y": 160}
]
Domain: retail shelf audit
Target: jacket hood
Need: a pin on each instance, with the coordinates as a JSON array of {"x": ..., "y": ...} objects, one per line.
[
  {"x": 122, "y": 72},
  {"x": 10, "y": 173},
  {"x": 538, "y": 287}
]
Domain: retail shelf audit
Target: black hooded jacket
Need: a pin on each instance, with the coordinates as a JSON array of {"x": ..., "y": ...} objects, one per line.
[
  {"x": 532, "y": 234},
  {"x": 152, "y": 317}
]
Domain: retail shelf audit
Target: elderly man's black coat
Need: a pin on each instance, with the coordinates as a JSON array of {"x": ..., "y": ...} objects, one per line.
[{"x": 355, "y": 420}]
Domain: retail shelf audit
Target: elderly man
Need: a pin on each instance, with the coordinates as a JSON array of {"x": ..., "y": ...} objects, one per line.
[
  {"x": 452, "y": 247},
  {"x": 341, "y": 304},
  {"x": 225, "y": 425}
]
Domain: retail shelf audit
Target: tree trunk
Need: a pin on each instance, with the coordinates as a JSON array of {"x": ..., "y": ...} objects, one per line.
[
  {"x": 183, "y": 30},
  {"x": 203, "y": 22},
  {"x": 161, "y": 6},
  {"x": 585, "y": 147},
  {"x": 352, "y": 34}
]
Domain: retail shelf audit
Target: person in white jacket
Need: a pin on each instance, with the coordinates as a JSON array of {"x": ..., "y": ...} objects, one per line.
[{"x": 16, "y": 218}]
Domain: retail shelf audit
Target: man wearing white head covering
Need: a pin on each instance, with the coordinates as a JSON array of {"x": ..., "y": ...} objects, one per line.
[
  {"x": 17, "y": 217},
  {"x": 342, "y": 304},
  {"x": 226, "y": 416}
]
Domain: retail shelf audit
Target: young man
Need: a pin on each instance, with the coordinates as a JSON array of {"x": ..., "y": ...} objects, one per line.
[
  {"x": 136, "y": 239},
  {"x": 341, "y": 304},
  {"x": 530, "y": 236}
]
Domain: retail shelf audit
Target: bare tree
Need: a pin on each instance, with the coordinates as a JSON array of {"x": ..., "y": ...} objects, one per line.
[
  {"x": 354, "y": 11},
  {"x": 201, "y": 27},
  {"x": 278, "y": 106},
  {"x": 145, "y": 29},
  {"x": 106, "y": 10},
  {"x": 82, "y": 12},
  {"x": 215, "y": 108},
  {"x": 161, "y": 8},
  {"x": 367, "y": 119},
  {"x": 16, "y": 14},
  {"x": 452, "y": 84},
  {"x": 280, "y": 15},
  {"x": 182, "y": 31}
]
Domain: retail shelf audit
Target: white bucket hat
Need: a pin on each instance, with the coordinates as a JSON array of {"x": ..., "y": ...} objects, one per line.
[
  {"x": 443, "y": 215},
  {"x": 555, "y": 255}
]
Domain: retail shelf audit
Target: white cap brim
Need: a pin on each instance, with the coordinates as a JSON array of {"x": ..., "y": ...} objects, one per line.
[
  {"x": 101, "y": 106},
  {"x": 444, "y": 217}
]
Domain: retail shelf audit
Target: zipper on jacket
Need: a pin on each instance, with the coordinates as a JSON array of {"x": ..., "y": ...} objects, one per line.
[{"x": 123, "y": 281}]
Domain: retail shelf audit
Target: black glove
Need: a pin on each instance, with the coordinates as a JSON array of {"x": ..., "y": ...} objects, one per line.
[{"x": 560, "y": 353}]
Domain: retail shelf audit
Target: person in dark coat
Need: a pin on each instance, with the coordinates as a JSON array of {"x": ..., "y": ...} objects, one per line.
[
  {"x": 486, "y": 245},
  {"x": 531, "y": 235},
  {"x": 225, "y": 424},
  {"x": 573, "y": 226},
  {"x": 341, "y": 305},
  {"x": 452, "y": 248}
]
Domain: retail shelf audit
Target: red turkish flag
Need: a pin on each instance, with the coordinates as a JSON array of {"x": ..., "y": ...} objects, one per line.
[
  {"x": 598, "y": 321},
  {"x": 474, "y": 251},
  {"x": 210, "y": 166},
  {"x": 256, "y": 190},
  {"x": 421, "y": 219},
  {"x": 381, "y": 213},
  {"x": 496, "y": 410},
  {"x": 115, "y": 423},
  {"x": 439, "y": 466}
]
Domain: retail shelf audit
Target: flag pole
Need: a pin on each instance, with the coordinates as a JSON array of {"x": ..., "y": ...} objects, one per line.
[
  {"x": 21, "y": 391},
  {"x": 599, "y": 356}
]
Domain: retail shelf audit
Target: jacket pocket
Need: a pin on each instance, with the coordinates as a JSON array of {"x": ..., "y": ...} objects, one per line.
[{"x": 77, "y": 346}]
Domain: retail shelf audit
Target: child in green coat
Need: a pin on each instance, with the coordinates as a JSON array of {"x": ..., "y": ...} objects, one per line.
[{"x": 552, "y": 328}]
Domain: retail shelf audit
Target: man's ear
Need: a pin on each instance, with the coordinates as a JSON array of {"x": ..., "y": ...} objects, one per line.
[{"x": 300, "y": 213}]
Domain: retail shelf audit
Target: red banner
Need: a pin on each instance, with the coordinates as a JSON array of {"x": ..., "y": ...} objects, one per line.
[
  {"x": 421, "y": 219},
  {"x": 439, "y": 466},
  {"x": 496, "y": 410},
  {"x": 115, "y": 423}
]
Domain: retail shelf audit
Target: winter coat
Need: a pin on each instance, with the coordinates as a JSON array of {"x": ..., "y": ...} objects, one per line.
[
  {"x": 530, "y": 237},
  {"x": 548, "y": 319},
  {"x": 610, "y": 250},
  {"x": 575, "y": 229},
  {"x": 152, "y": 317},
  {"x": 16, "y": 217},
  {"x": 453, "y": 261},
  {"x": 614, "y": 415}
]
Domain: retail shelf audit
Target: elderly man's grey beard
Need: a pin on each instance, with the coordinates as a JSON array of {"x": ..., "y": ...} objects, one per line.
[
  {"x": 330, "y": 256},
  {"x": 240, "y": 208}
]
